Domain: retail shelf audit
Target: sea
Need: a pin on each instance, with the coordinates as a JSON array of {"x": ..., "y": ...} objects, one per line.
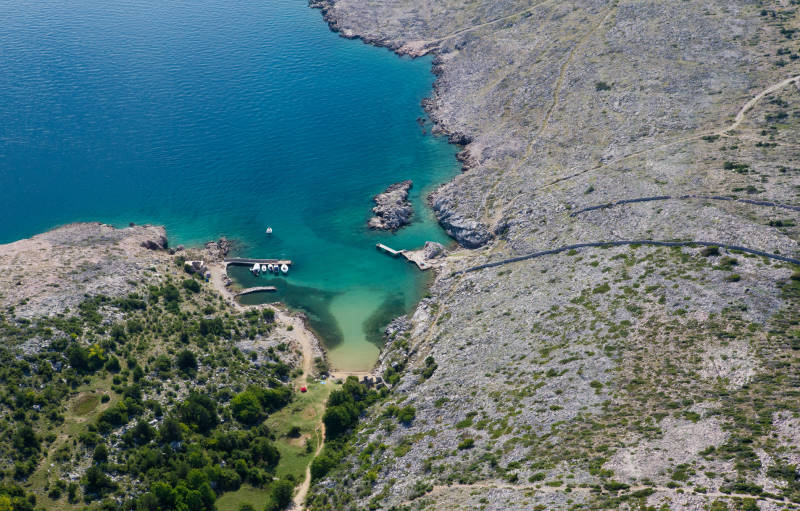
[{"x": 221, "y": 118}]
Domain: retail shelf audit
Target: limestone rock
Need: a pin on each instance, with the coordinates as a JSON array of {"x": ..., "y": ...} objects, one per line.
[
  {"x": 392, "y": 210},
  {"x": 217, "y": 250},
  {"x": 433, "y": 250}
]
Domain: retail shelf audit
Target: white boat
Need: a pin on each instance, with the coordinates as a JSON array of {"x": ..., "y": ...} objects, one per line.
[
  {"x": 269, "y": 230},
  {"x": 256, "y": 269},
  {"x": 263, "y": 268},
  {"x": 284, "y": 268},
  {"x": 270, "y": 268}
]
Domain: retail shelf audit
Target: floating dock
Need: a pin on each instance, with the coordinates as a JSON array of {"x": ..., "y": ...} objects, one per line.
[{"x": 259, "y": 289}]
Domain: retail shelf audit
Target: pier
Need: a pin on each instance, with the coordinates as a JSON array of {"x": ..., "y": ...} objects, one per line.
[
  {"x": 412, "y": 256},
  {"x": 390, "y": 251},
  {"x": 244, "y": 261},
  {"x": 258, "y": 289}
]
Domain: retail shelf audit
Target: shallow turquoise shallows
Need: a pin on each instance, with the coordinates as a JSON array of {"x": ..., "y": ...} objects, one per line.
[{"x": 222, "y": 118}]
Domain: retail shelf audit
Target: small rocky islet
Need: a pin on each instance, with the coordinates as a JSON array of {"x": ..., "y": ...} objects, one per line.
[{"x": 392, "y": 208}]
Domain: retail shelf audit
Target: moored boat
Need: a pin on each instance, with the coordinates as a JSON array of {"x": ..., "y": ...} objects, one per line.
[
  {"x": 256, "y": 269},
  {"x": 284, "y": 268}
]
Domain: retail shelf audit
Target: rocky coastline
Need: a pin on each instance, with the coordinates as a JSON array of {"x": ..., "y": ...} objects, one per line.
[{"x": 542, "y": 384}]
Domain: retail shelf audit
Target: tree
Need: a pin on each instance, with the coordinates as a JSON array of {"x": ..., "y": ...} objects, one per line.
[
  {"x": 246, "y": 408},
  {"x": 191, "y": 285},
  {"x": 280, "y": 495},
  {"x": 199, "y": 411},
  {"x": 170, "y": 430},
  {"x": 338, "y": 419},
  {"x": 321, "y": 465},
  {"x": 96, "y": 482},
  {"x": 263, "y": 451},
  {"x": 78, "y": 358},
  {"x": 26, "y": 441},
  {"x": 186, "y": 361},
  {"x": 100, "y": 454}
]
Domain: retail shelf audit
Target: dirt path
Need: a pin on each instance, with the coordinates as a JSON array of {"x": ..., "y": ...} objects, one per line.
[
  {"x": 755, "y": 99},
  {"x": 548, "y": 114},
  {"x": 724, "y": 131},
  {"x": 301, "y": 334},
  {"x": 217, "y": 281},
  {"x": 423, "y": 46}
]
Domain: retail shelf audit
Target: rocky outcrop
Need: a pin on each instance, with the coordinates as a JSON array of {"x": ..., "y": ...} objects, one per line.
[
  {"x": 469, "y": 233},
  {"x": 433, "y": 250},
  {"x": 158, "y": 242},
  {"x": 55, "y": 271},
  {"x": 392, "y": 210},
  {"x": 217, "y": 250}
]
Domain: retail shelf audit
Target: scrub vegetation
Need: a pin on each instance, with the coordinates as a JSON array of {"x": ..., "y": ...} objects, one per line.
[{"x": 145, "y": 402}]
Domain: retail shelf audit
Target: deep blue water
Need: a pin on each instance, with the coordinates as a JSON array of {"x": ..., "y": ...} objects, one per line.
[{"x": 220, "y": 118}]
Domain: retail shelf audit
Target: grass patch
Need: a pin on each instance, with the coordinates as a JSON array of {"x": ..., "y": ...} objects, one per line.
[{"x": 304, "y": 414}]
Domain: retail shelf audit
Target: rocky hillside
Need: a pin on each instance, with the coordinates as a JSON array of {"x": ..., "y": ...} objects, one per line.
[{"x": 629, "y": 376}]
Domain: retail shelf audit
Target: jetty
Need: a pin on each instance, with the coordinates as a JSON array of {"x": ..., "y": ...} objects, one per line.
[
  {"x": 388, "y": 250},
  {"x": 257, "y": 289},
  {"x": 412, "y": 256},
  {"x": 244, "y": 261}
]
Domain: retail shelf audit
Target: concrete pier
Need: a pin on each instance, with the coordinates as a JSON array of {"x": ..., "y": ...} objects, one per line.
[
  {"x": 257, "y": 289},
  {"x": 413, "y": 256},
  {"x": 244, "y": 261}
]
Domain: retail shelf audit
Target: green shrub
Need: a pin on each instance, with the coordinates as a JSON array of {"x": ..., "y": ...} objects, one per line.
[
  {"x": 186, "y": 362},
  {"x": 191, "y": 285},
  {"x": 246, "y": 408},
  {"x": 280, "y": 495},
  {"x": 466, "y": 443}
]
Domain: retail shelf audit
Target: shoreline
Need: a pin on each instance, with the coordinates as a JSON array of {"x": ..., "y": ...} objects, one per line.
[{"x": 308, "y": 340}]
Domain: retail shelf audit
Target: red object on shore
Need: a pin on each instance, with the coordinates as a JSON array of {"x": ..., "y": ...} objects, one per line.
[{"x": 303, "y": 389}]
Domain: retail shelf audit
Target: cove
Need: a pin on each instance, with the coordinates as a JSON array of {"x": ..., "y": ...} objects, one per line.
[{"x": 219, "y": 119}]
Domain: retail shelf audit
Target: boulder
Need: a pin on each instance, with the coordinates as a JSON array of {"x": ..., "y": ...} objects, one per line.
[
  {"x": 433, "y": 250},
  {"x": 158, "y": 242}
]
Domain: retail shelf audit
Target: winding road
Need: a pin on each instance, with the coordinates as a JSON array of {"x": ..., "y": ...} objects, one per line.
[{"x": 577, "y": 246}]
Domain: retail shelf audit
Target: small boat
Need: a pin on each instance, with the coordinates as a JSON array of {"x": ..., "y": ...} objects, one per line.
[
  {"x": 284, "y": 268},
  {"x": 269, "y": 230},
  {"x": 263, "y": 268},
  {"x": 256, "y": 269},
  {"x": 270, "y": 268}
]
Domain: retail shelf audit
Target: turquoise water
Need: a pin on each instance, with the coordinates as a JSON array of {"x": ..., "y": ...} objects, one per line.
[{"x": 220, "y": 118}]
